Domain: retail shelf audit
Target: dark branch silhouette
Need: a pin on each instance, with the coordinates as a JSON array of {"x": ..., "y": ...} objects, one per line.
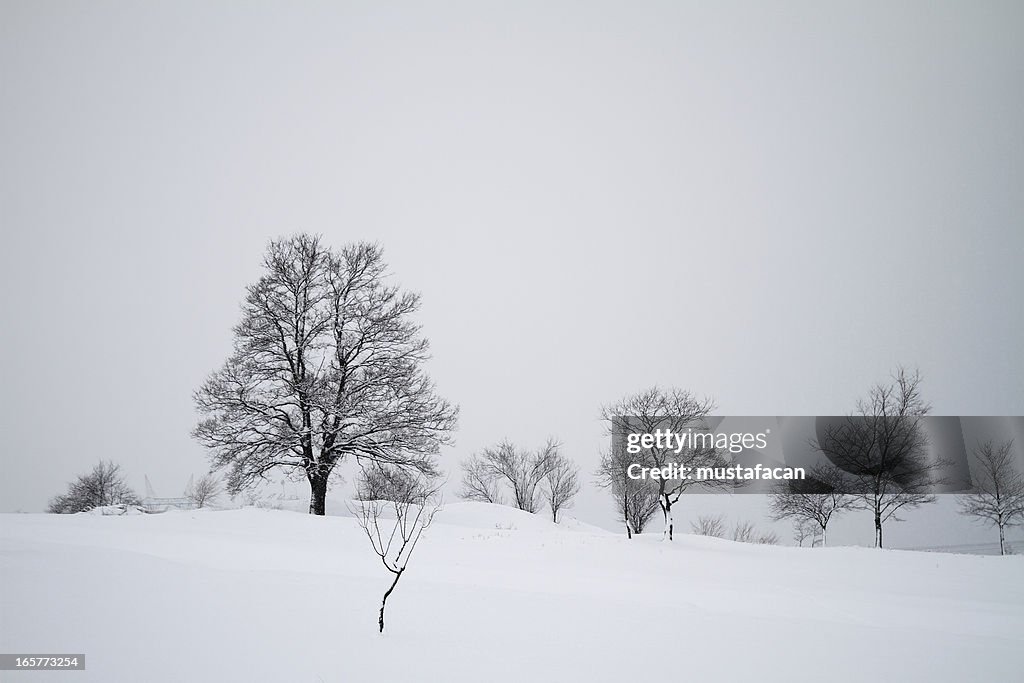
[
  {"x": 998, "y": 492},
  {"x": 883, "y": 447},
  {"x": 327, "y": 364},
  {"x": 412, "y": 498}
]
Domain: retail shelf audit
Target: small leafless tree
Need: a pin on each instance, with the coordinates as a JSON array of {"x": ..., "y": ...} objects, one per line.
[
  {"x": 479, "y": 482},
  {"x": 803, "y": 530},
  {"x": 412, "y": 498},
  {"x": 816, "y": 499},
  {"x": 563, "y": 483},
  {"x": 884, "y": 447},
  {"x": 709, "y": 525},
  {"x": 677, "y": 411},
  {"x": 104, "y": 485},
  {"x": 636, "y": 500},
  {"x": 520, "y": 470},
  {"x": 205, "y": 491},
  {"x": 998, "y": 494},
  {"x": 744, "y": 532}
]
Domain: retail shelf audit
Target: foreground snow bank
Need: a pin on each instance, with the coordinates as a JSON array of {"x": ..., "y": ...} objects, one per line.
[{"x": 493, "y": 594}]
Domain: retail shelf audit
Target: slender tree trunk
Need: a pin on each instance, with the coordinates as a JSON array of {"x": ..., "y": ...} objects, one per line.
[
  {"x": 666, "y": 509},
  {"x": 878, "y": 529},
  {"x": 384, "y": 602},
  {"x": 1002, "y": 540},
  {"x": 625, "y": 516}
]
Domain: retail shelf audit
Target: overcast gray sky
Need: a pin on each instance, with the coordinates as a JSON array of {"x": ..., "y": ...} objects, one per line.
[{"x": 772, "y": 203}]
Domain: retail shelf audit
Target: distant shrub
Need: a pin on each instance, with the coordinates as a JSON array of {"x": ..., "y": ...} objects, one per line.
[{"x": 103, "y": 486}]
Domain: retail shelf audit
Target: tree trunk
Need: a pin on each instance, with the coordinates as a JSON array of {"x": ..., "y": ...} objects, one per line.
[
  {"x": 318, "y": 492},
  {"x": 384, "y": 602},
  {"x": 1002, "y": 540},
  {"x": 625, "y": 516},
  {"x": 878, "y": 530},
  {"x": 666, "y": 509}
]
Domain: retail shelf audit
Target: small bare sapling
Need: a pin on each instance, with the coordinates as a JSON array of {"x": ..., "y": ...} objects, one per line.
[{"x": 395, "y": 505}]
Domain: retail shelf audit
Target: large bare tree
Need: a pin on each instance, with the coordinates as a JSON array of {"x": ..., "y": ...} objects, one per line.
[
  {"x": 327, "y": 363},
  {"x": 676, "y": 411},
  {"x": 883, "y": 446},
  {"x": 998, "y": 492}
]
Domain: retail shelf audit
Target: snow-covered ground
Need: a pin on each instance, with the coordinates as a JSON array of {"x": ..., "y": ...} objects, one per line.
[{"x": 493, "y": 594}]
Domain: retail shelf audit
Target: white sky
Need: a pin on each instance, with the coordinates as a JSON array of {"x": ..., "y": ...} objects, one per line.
[{"x": 770, "y": 204}]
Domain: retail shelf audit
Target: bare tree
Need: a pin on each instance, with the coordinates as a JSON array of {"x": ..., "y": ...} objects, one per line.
[
  {"x": 677, "y": 411},
  {"x": 998, "y": 493},
  {"x": 804, "y": 529},
  {"x": 387, "y": 484},
  {"x": 563, "y": 483},
  {"x": 884, "y": 447},
  {"x": 205, "y": 491},
  {"x": 104, "y": 485},
  {"x": 327, "y": 363},
  {"x": 709, "y": 525},
  {"x": 412, "y": 498},
  {"x": 521, "y": 471},
  {"x": 744, "y": 532},
  {"x": 816, "y": 499},
  {"x": 479, "y": 482},
  {"x": 636, "y": 500}
]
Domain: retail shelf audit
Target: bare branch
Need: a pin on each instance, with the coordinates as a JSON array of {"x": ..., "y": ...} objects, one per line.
[
  {"x": 563, "y": 483},
  {"x": 675, "y": 410},
  {"x": 708, "y": 525},
  {"x": 103, "y": 486},
  {"x": 883, "y": 447},
  {"x": 327, "y": 363},
  {"x": 412, "y": 498},
  {"x": 636, "y": 500},
  {"x": 997, "y": 497}
]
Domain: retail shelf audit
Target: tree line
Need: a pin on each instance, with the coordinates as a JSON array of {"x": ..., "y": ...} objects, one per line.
[
  {"x": 527, "y": 477},
  {"x": 327, "y": 364},
  {"x": 878, "y": 462}
]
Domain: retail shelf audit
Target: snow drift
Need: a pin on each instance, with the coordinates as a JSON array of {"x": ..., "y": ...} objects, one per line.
[{"x": 492, "y": 594}]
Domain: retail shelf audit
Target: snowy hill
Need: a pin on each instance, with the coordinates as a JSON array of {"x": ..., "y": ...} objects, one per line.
[{"x": 493, "y": 594}]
